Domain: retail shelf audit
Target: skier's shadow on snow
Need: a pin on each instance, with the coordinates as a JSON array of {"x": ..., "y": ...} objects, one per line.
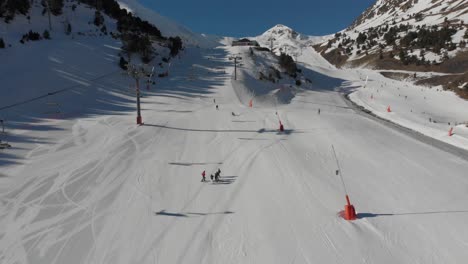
[
  {"x": 225, "y": 180},
  {"x": 189, "y": 214},
  {"x": 331, "y": 105},
  {"x": 260, "y": 131},
  {"x": 260, "y": 139},
  {"x": 371, "y": 215}
]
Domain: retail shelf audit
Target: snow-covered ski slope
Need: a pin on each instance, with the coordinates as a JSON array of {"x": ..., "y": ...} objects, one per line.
[
  {"x": 430, "y": 111},
  {"x": 427, "y": 110},
  {"x": 84, "y": 184}
]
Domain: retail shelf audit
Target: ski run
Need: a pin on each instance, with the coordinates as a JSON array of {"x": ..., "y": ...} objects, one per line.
[{"x": 82, "y": 183}]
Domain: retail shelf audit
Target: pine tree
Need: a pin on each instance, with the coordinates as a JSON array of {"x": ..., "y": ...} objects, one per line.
[
  {"x": 56, "y": 6},
  {"x": 287, "y": 63},
  {"x": 46, "y": 34},
  {"x": 445, "y": 55},
  {"x": 123, "y": 63},
  {"x": 176, "y": 45},
  {"x": 361, "y": 38},
  {"x": 8, "y": 8},
  {"x": 69, "y": 29},
  {"x": 422, "y": 53},
  {"x": 462, "y": 44},
  {"x": 403, "y": 57},
  {"x": 98, "y": 18}
]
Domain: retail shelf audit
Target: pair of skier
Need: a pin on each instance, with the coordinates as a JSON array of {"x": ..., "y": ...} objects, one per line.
[{"x": 216, "y": 176}]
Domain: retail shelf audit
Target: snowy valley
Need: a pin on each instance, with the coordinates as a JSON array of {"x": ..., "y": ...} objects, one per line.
[{"x": 83, "y": 183}]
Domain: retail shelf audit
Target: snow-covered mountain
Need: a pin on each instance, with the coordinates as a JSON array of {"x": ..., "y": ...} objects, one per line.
[
  {"x": 414, "y": 35},
  {"x": 281, "y": 38},
  {"x": 383, "y": 27},
  {"x": 418, "y": 12}
]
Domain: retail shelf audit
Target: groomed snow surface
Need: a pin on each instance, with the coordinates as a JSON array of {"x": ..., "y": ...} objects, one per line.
[
  {"x": 430, "y": 111},
  {"x": 84, "y": 184}
]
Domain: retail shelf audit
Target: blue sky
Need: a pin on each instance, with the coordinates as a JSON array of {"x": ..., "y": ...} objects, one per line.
[{"x": 252, "y": 17}]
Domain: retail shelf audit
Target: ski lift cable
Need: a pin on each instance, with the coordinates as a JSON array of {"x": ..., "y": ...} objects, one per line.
[
  {"x": 276, "y": 108},
  {"x": 339, "y": 170}
]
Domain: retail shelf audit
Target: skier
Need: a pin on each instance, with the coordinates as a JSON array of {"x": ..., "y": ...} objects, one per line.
[
  {"x": 319, "y": 111},
  {"x": 216, "y": 177},
  {"x": 214, "y": 101},
  {"x": 219, "y": 172},
  {"x": 217, "y": 108},
  {"x": 203, "y": 176},
  {"x": 233, "y": 114},
  {"x": 212, "y": 177}
]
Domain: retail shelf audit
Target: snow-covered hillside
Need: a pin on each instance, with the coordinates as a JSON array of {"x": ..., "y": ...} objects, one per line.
[
  {"x": 391, "y": 26},
  {"x": 407, "y": 35},
  {"x": 415, "y": 12},
  {"x": 82, "y": 183},
  {"x": 282, "y": 39},
  {"x": 260, "y": 77},
  {"x": 79, "y": 16},
  {"x": 169, "y": 27}
]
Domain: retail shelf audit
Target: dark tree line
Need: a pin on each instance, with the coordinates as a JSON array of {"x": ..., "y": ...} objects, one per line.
[
  {"x": 138, "y": 43},
  {"x": 403, "y": 38},
  {"x": 125, "y": 20},
  {"x": 288, "y": 64},
  {"x": 56, "y": 6},
  {"x": 8, "y": 8},
  {"x": 136, "y": 33},
  {"x": 30, "y": 36},
  {"x": 175, "y": 45},
  {"x": 434, "y": 38}
]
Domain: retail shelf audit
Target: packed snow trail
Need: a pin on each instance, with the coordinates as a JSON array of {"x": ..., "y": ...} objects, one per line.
[{"x": 108, "y": 191}]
